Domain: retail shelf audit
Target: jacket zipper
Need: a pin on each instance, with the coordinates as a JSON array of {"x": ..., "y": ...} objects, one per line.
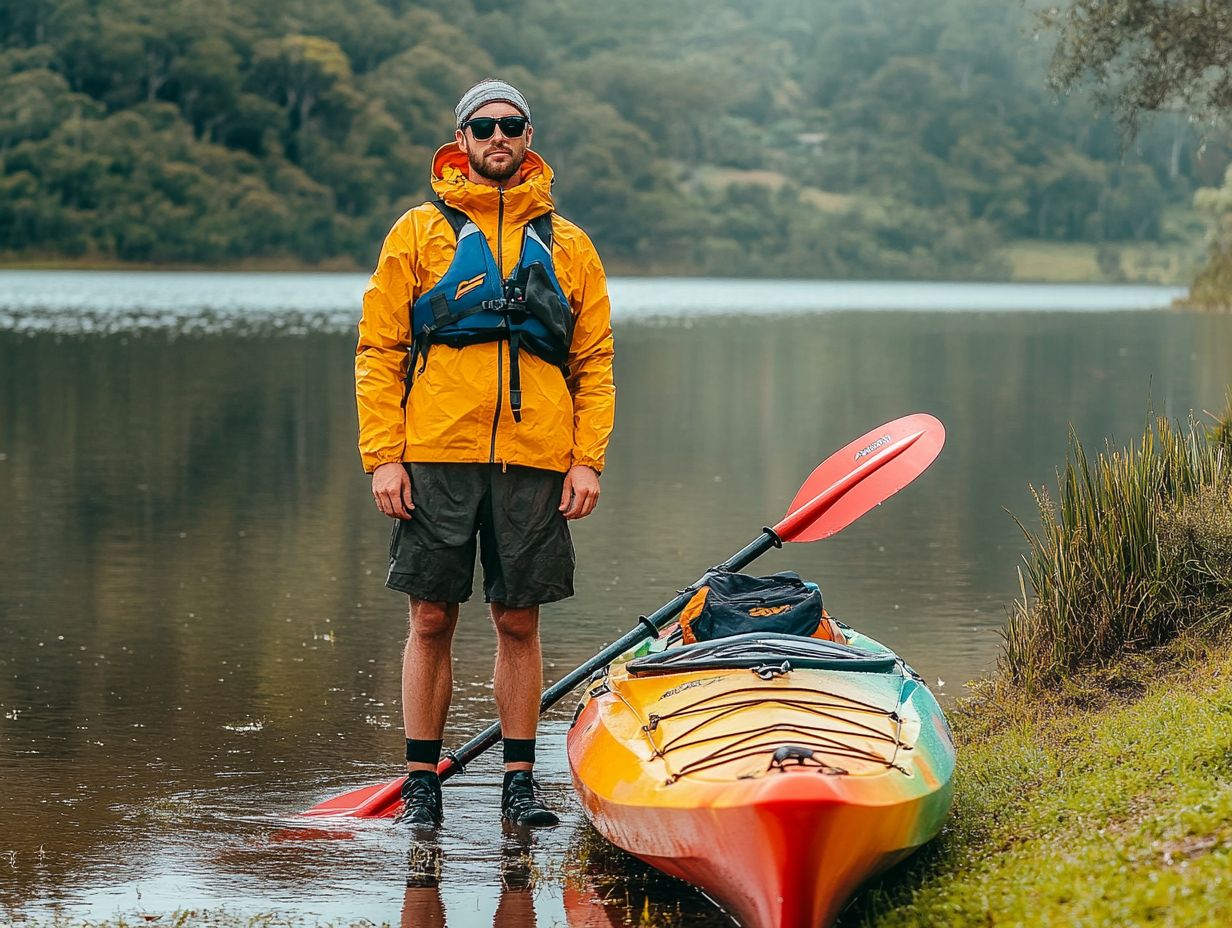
[{"x": 500, "y": 352}]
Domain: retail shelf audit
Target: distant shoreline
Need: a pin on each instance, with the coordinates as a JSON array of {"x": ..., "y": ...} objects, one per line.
[
  {"x": 1031, "y": 262},
  {"x": 341, "y": 265},
  {"x": 615, "y": 271}
]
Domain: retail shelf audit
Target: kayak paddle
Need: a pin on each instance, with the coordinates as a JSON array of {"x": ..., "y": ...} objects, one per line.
[{"x": 842, "y": 488}]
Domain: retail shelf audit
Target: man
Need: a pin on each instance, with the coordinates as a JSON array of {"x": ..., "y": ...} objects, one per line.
[{"x": 494, "y": 426}]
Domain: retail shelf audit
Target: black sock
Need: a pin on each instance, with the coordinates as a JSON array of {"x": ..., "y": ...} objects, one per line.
[
  {"x": 519, "y": 750},
  {"x": 423, "y": 752}
]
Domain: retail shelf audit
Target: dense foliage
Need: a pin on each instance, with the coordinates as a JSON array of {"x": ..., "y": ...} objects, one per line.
[
  {"x": 1212, "y": 287},
  {"x": 1136, "y": 548},
  {"x": 886, "y": 138}
]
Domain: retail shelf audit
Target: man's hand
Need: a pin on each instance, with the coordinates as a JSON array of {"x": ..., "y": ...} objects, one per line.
[
  {"x": 581, "y": 492},
  {"x": 391, "y": 488}
]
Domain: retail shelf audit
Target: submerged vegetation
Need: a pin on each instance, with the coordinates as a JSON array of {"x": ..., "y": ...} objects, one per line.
[{"x": 1136, "y": 548}]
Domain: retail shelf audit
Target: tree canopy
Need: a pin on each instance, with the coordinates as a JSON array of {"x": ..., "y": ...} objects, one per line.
[
  {"x": 850, "y": 138},
  {"x": 1147, "y": 56}
]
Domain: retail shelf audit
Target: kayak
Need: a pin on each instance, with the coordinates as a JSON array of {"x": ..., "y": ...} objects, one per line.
[{"x": 774, "y": 772}]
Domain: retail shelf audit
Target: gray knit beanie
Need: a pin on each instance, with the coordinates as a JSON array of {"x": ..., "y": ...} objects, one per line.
[{"x": 489, "y": 90}]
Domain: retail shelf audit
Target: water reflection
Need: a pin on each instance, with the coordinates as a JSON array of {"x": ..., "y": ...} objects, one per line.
[
  {"x": 194, "y": 633},
  {"x": 423, "y": 905}
]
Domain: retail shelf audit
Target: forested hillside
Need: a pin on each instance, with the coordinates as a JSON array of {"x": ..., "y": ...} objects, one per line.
[{"x": 880, "y": 138}]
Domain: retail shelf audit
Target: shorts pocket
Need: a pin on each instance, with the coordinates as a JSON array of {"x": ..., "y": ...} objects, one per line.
[{"x": 395, "y": 536}]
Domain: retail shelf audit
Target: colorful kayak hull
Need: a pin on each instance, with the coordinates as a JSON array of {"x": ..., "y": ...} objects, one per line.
[{"x": 775, "y": 791}]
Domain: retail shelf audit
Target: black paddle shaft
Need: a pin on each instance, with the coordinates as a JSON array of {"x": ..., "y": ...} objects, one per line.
[{"x": 648, "y": 627}]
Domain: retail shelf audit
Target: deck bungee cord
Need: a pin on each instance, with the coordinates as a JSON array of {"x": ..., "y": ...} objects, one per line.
[{"x": 811, "y": 739}]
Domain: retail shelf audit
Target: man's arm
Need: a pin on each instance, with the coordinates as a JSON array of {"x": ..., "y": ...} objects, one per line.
[
  {"x": 381, "y": 352},
  {"x": 590, "y": 359}
]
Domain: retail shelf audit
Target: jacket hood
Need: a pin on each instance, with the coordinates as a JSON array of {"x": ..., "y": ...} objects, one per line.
[{"x": 530, "y": 197}]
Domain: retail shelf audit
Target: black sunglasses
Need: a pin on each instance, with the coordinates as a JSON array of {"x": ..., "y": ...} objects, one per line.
[{"x": 482, "y": 127}]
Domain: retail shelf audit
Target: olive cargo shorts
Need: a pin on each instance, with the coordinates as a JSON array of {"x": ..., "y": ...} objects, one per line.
[{"x": 524, "y": 541}]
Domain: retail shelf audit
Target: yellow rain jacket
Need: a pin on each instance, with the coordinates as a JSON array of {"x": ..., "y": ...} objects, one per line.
[{"x": 458, "y": 409}]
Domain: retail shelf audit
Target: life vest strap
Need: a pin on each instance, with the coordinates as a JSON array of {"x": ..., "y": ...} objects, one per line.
[
  {"x": 454, "y": 216},
  {"x": 515, "y": 377},
  {"x": 440, "y": 310}
]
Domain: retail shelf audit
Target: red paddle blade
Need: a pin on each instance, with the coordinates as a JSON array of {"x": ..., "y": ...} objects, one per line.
[
  {"x": 857, "y": 477},
  {"x": 381, "y": 800}
]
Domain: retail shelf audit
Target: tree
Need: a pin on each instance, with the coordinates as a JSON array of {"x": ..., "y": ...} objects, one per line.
[
  {"x": 1212, "y": 288},
  {"x": 305, "y": 74},
  {"x": 1146, "y": 55}
]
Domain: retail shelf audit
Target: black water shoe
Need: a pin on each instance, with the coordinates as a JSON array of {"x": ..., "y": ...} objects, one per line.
[
  {"x": 519, "y": 805},
  {"x": 421, "y": 799}
]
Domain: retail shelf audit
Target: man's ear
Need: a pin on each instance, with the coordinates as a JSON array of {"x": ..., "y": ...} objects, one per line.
[{"x": 460, "y": 140}]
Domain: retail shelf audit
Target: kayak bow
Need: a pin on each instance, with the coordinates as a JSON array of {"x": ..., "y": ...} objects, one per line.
[{"x": 775, "y": 773}]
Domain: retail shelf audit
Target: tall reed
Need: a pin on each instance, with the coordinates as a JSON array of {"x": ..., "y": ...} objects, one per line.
[
  {"x": 1221, "y": 432},
  {"x": 1136, "y": 547}
]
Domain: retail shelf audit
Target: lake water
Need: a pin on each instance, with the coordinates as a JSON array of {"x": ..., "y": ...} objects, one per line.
[{"x": 195, "y": 639}]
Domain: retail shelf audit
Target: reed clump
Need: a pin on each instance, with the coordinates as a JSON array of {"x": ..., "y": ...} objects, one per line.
[
  {"x": 1135, "y": 549},
  {"x": 1221, "y": 432}
]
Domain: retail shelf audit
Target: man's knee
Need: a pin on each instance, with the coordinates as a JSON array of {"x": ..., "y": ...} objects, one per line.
[
  {"x": 517, "y": 625},
  {"x": 433, "y": 620}
]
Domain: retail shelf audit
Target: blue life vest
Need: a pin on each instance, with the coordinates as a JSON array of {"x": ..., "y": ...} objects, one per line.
[{"x": 472, "y": 304}]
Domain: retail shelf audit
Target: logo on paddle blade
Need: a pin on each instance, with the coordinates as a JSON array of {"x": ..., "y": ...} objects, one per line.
[{"x": 883, "y": 440}]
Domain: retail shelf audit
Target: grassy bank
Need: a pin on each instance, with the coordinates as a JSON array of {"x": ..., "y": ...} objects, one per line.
[
  {"x": 1211, "y": 290},
  {"x": 1106, "y": 801},
  {"x": 1036, "y": 261}
]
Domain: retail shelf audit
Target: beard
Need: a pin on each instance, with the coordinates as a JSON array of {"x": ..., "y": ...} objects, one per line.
[{"x": 498, "y": 173}]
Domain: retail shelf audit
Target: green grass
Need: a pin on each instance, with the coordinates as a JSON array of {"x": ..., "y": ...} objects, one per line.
[
  {"x": 1106, "y": 802},
  {"x": 1117, "y": 262}
]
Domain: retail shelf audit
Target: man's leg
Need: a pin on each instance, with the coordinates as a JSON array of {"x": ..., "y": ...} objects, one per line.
[
  {"x": 527, "y": 559},
  {"x": 427, "y": 683},
  {"x": 517, "y": 680},
  {"x": 427, "y": 674}
]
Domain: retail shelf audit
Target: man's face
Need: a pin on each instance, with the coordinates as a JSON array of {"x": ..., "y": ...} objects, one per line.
[{"x": 496, "y": 158}]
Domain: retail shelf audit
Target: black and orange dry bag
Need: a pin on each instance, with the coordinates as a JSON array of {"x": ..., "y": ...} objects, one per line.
[{"x": 733, "y": 604}]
